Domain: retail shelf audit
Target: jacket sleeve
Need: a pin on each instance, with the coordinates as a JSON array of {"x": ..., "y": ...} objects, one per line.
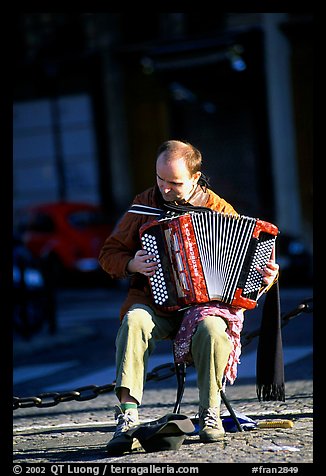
[{"x": 120, "y": 247}]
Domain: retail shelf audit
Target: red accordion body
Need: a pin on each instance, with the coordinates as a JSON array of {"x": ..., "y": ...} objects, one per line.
[{"x": 207, "y": 256}]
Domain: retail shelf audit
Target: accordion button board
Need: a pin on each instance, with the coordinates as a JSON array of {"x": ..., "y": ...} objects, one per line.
[
  {"x": 158, "y": 282},
  {"x": 207, "y": 256},
  {"x": 162, "y": 287}
]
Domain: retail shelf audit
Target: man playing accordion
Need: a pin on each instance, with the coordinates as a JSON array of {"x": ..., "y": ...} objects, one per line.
[{"x": 210, "y": 333}]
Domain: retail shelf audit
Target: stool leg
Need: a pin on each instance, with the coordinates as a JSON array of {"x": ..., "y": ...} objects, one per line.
[
  {"x": 180, "y": 370},
  {"x": 233, "y": 415}
]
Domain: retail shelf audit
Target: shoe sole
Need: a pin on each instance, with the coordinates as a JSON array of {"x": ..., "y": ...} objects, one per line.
[
  {"x": 119, "y": 448},
  {"x": 211, "y": 439}
]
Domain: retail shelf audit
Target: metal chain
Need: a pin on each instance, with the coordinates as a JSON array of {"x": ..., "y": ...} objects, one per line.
[
  {"x": 305, "y": 306},
  {"x": 161, "y": 372},
  {"x": 88, "y": 392}
]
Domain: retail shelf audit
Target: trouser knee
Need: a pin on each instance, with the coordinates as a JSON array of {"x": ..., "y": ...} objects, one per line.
[
  {"x": 212, "y": 331},
  {"x": 136, "y": 322}
]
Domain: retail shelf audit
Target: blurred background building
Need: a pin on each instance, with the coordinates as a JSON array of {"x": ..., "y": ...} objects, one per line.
[{"x": 96, "y": 93}]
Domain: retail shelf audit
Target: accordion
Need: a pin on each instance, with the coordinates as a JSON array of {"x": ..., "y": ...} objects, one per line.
[{"x": 207, "y": 256}]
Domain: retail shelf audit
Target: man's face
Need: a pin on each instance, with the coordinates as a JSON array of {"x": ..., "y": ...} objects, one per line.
[{"x": 174, "y": 179}]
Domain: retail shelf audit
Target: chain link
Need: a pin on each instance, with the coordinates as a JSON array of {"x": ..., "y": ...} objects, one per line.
[
  {"x": 161, "y": 372},
  {"x": 305, "y": 306},
  {"x": 88, "y": 392}
]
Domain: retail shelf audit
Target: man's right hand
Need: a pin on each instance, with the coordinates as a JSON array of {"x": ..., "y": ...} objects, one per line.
[{"x": 141, "y": 263}]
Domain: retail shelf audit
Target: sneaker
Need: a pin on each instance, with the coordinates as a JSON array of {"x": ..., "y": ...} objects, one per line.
[
  {"x": 121, "y": 442},
  {"x": 210, "y": 425}
]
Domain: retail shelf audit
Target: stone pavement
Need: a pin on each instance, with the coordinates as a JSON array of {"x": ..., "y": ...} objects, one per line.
[{"x": 77, "y": 432}]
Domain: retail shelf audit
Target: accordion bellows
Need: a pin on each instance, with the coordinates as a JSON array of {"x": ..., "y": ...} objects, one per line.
[{"x": 207, "y": 256}]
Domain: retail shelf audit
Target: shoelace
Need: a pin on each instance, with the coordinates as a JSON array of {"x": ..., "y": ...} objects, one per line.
[
  {"x": 124, "y": 422},
  {"x": 209, "y": 417}
]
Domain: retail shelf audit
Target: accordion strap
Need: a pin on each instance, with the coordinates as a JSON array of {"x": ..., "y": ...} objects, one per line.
[
  {"x": 179, "y": 209},
  {"x": 169, "y": 209},
  {"x": 145, "y": 210}
]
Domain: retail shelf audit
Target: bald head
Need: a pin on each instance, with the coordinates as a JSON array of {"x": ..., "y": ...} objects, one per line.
[
  {"x": 177, "y": 170},
  {"x": 172, "y": 150}
]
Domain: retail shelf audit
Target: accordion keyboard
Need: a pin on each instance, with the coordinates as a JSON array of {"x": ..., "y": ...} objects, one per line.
[
  {"x": 158, "y": 283},
  {"x": 260, "y": 257}
]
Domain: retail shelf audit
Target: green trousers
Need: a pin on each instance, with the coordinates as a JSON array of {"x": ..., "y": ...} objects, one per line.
[{"x": 141, "y": 328}]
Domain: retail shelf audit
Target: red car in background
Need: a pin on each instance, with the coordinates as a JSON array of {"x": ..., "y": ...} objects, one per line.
[{"x": 67, "y": 236}]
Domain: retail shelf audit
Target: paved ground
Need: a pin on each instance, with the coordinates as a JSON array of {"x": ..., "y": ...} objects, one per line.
[{"x": 77, "y": 432}]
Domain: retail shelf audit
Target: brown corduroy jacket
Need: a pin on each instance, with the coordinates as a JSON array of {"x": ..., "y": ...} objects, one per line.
[{"x": 120, "y": 247}]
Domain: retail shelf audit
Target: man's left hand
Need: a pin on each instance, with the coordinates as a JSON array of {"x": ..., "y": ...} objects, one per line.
[{"x": 269, "y": 272}]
